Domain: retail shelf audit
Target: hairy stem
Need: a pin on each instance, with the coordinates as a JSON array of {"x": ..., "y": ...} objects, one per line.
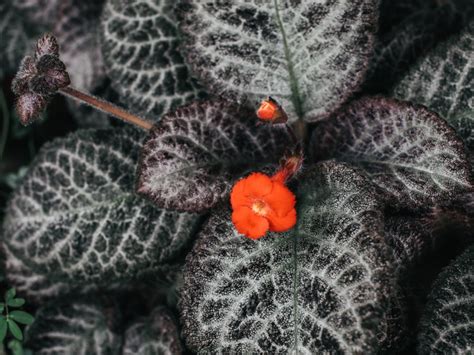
[
  {"x": 300, "y": 129},
  {"x": 105, "y": 106}
]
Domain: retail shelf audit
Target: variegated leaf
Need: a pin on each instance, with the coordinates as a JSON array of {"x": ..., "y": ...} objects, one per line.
[
  {"x": 75, "y": 217},
  {"x": 81, "y": 326},
  {"x": 310, "y": 56},
  {"x": 323, "y": 287},
  {"x": 140, "y": 46},
  {"x": 155, "y": 334},
  {"x": 193, "y": 155},
  {"x": 410, "y": 153},
  {"x": 41, "y": 13},
  {"x": 444, "y": 82},
  {"x": 447, "y": 326},
  {"x": 408, "y": 29}
]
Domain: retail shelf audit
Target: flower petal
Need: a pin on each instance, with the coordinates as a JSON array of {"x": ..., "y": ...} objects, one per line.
[
  {"x": 258, "y": 185},
  {"x": 238, "y": 197},
  {"x": 281, "y": 224},
  {"x": 281, "y": 200},
  {"x": 248, "y": 223}
]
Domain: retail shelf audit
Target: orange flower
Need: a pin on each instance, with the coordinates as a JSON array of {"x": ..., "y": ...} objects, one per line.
[{"x": 261, "y": 203}]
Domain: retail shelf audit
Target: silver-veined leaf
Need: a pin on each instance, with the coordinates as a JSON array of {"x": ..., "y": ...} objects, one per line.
[
  {"x": 75, "y": 326},
  {"x": 447, "y": 325},
  {"x": 76, "y": 218},
  {"x": 191, "y": 157},
  {"x": 322, "y": 287},
  {"x": 140, "y": 45},
  {"x": 409, "y": 152},
  {"x": 444, "y": 82},
  {"x": 156, "y": 334},
  {"x": 310, "y": 56}
]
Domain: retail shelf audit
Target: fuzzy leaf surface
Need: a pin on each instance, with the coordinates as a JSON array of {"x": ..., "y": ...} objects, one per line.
[
  {"x": 140, "y": 46},
  {"x": 407, "y": 30},
  {"x": 410, "y": 153},
  {"x": 309, "y": 56},
  {"x": 156, "y": 334},
  {"x": 448, "y": 322},
  {"x": 75, "y": 216},
  {"x": 320, "y": 288},
  {"x": 193, "y": 155},
  {"x": 77, "y": 30},
  {"x": 75, "y": 327},
  {"x": 444, "y": 82}
]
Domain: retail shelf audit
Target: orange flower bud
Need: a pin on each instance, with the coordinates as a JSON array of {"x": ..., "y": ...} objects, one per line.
[{"x": 271, "y": 111}]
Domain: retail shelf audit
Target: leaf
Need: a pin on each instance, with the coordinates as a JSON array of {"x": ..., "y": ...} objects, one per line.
[
  {"x": 39, "y": 13},
  {"x": 16, "y": 302},
  {"x": 16, "y": 347},
  {"x": 191, "y": 157},
  {"x": 22, "y": 317},
  {"x": 10, "y": 294},
  {"x": 75, "y": 326},
  {"x": 3, "y": 328},
  {"x": 408, "y": 29},
  {"x": 323, "y": 287},
  {"x": 16, "y": 38},
  {"x": 448, "y": 321},
  {"x": 76, "y": 219},
  {"x": 156, "y": 334},
  {"x": 444, "y": 82},
  {"x": 77, "y": 31},
  {"x": 140, "y": 46},
  {"x": 410, "y": 153},
  {"x": 309, "y": 56},
  {"x": 15, "y": 329}
]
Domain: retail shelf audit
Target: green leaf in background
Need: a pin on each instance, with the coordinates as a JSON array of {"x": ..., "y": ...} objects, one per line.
[
  {"x": 3, "y": 328},
  {"x": 16, "y": 347},
  {"x": 16, "y": 302},
  {"x": 22, "y": 317},
  {"x": 15, "y": 329},
  {"x": 10, "y": 294},
  {"x": 2, "y": 307}
]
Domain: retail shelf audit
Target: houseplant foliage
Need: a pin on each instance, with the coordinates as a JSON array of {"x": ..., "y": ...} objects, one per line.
[{"x": 377, "y": 166}]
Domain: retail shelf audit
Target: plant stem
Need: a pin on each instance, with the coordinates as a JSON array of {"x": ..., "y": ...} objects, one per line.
[
  {"x": 300, "y": 129},
  {"x": 105, "y": 106}
]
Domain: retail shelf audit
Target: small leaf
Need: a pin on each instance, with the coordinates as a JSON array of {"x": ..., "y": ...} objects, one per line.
[
  {"x": 3, "y": 328},
  {"x": 14, "y": 329},
  {"x": 410, "y": 153},
  {"x": 323, "y": 287},
  {"x": 76, "y": 219},
  {"x": 76, "y": 326},
  {"x": 16, "y": 347},
  {"x": 156, "y": 334},
  {"x": 192, "y": 156},
  {"x": 140, "y": 45},
  {"x": 443, "y": 81},
  {"x": 447, "y": 324},
  {"x": 310, "y": 56},
  {"x": 16, "y": 302},
  {"x": 10, "y": 294},
  {"x": 22, "y": 317}
]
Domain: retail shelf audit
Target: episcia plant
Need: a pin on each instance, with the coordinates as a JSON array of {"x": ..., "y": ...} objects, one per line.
[{"x": 303, "y": 210}]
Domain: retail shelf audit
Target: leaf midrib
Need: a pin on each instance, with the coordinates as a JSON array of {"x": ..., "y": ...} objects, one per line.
[{"x": 296, "y": 98}]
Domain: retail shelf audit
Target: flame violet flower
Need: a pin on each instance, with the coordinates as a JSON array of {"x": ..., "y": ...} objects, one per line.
[{"x": 261, "y": 203}]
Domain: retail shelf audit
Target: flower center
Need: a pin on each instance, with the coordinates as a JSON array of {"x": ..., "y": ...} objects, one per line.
[{"x": 260, "y": 208}]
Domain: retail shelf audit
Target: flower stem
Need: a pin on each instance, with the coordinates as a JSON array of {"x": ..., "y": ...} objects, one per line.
[
  {"x": 105, "y": 106},
  {"x": 300, "y": 129}
]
